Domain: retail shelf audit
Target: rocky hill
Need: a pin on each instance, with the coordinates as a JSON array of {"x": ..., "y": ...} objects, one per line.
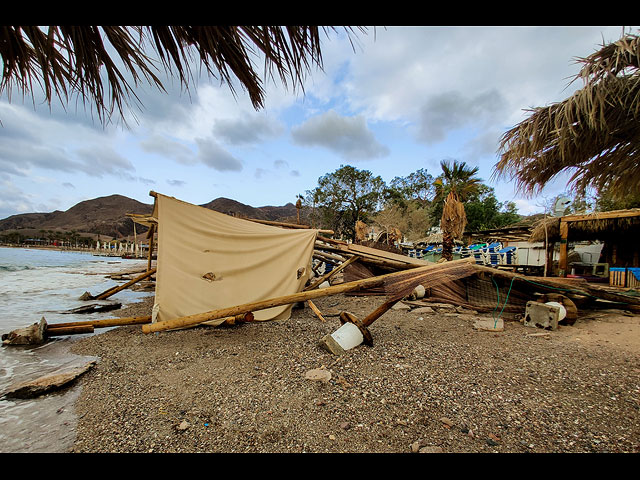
[
  {"x": 232, "y": 207},
  {"x": 107, "y": 216}
]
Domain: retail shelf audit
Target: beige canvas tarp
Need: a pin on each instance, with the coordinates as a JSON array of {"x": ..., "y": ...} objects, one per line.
[{"x": 208, "y": 260}]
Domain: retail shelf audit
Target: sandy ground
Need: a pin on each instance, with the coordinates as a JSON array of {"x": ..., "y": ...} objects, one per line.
[{"x": 431, "y": 383}]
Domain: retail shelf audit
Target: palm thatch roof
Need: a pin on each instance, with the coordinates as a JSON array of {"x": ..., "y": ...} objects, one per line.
[
  {"x": 93, "y": 62},
  {"x": 594, "y": 226},
  {"x": 594, "y": 134}
]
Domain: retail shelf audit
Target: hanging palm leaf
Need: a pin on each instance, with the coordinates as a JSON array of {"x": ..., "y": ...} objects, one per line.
[
  {"x": 594, "y": 134},
  {"x": 84, "y": 60}
]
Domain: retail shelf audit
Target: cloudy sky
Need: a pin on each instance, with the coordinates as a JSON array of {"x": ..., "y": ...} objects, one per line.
[{"x": 404, "y": 99}]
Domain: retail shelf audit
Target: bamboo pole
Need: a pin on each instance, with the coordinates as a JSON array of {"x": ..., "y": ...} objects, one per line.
[
  {"x": 71, "y": 330},
  {"x": 114, "y": 290},
  {"x": 104, "y": 323},
  {"x": 286, "y": 225},
  {"x": 293, "y": 298}
]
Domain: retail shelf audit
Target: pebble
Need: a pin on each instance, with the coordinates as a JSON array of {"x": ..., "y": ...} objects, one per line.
[{"x": 419, "y": 380}]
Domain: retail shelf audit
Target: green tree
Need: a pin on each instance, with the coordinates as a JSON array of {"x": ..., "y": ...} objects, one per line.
[
  {"x": 416, "y": 187},
  {"x": 484, "y": 211},
  {"x": 453, "y": 187},
  {"x": 606, "y": 200},
  {"x": 344, "y": 197}
]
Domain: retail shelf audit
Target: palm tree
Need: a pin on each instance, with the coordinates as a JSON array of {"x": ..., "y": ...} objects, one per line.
[
  {"x": 454, "y": 186},
  {"x": 68, "y": 60},
  {"x": 594, "y": 134}
]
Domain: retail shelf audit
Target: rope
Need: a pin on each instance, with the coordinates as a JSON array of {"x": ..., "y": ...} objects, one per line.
[{"x": 495, "y": 319}]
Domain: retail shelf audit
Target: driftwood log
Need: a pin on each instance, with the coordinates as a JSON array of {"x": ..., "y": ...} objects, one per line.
[{"x": 113, "y": 290}]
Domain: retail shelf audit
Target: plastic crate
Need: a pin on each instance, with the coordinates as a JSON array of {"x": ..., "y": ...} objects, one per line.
[
  {"x": 618, "y": 277},
  {"x": 633, "y": 277}
]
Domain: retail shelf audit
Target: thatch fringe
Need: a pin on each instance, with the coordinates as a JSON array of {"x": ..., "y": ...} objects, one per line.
[{"x": 594, "y": 227}]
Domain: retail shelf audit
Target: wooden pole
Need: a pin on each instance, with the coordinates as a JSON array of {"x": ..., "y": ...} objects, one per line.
[
  {"x": 71, "y": 330},
  {"x": 316, "y": 310},
  {"x": 293, "y": 298},
  {"x": 562, "y": 262},
  {"x": 152, "y": 231},
  {"x": 108, "y": 322},
  {"x": 327, "y": 276},
  {"x": 114, "y": 290}
]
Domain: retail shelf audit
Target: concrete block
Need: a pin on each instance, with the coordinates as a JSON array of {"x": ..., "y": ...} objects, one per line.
[{"x": 541, "y": 315}]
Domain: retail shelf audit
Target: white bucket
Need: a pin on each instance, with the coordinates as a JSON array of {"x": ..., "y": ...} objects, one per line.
[
  {"x": 563, "y": 311},
  {"x": 348, "y": 336}
]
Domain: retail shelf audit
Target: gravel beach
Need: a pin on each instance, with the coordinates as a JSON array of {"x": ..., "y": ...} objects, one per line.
[{"x": 431, "y": 383}]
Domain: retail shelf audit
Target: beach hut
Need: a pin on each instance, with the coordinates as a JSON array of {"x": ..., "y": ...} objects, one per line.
[{"x": 618, "y": 230}]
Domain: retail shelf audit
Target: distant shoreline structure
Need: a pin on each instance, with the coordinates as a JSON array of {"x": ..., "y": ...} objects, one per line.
[{"x": 90, "y": 250}]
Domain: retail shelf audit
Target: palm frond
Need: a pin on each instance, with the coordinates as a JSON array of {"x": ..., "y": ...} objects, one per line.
[
  {"x": 454, "y": 218},
  {"x": 65, "y": 60},
  {"x": 594, "y": 134}
]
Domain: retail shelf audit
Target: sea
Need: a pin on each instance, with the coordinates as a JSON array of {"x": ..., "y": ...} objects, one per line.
[{"x": 37, "y": 283}]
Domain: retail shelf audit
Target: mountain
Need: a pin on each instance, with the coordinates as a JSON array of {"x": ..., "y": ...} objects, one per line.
[
  {"x": 104, "y": 216},
  {"x": 107, "y": 216},
  {"x": 232, "y": 207}
]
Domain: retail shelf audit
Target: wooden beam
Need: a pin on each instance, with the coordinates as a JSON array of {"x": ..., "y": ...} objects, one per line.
[
  {"x": 114, "y": 290},
  {"x": 71, "y": 330},
  {"x": 286, "y": 225},
  {"x": 108, "y": 322},
  {"x": 151, "y": 237},
  {"x": 563, "y": 261}
]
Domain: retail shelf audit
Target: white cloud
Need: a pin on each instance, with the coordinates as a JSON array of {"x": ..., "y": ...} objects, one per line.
[
  {"x": 214, "y": 156},
  {"x": 246, "y": 130},
  {"x": 349, "y": 137},
  {"x": 166, "y": 147}
]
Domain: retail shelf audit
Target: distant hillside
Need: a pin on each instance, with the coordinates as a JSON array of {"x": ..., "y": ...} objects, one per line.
[
  {"x": 232, "y": 207},
  {"x": 107, "y": 216},
  {"x": 104, "y": 216}
]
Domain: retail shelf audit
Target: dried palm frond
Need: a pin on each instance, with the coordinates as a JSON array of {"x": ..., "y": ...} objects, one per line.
[
  {"x": 546, "y": 229},
  {"x": 454, "y": 218},
  {"x": 594, "y": 134},
  {"x": 66, "y": 60}
]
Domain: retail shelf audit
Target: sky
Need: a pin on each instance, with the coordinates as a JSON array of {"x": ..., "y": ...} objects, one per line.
[{"x": 402, "y": 99}]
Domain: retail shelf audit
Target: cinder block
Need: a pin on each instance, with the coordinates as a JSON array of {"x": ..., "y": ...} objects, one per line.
[{"x": 541, "y": 315}]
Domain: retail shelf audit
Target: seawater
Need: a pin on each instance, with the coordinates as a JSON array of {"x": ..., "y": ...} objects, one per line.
[{"x": 36, "y": 283}]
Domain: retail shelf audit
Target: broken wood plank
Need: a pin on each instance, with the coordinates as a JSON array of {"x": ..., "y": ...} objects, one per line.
[
  {"x": 315, "y": 310},
  {"x": 114, "y": 290},
  {"x": 47, "y": 383},
  {"x": 94, "y": 308},
  {"x": 301, "y": 296}
]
